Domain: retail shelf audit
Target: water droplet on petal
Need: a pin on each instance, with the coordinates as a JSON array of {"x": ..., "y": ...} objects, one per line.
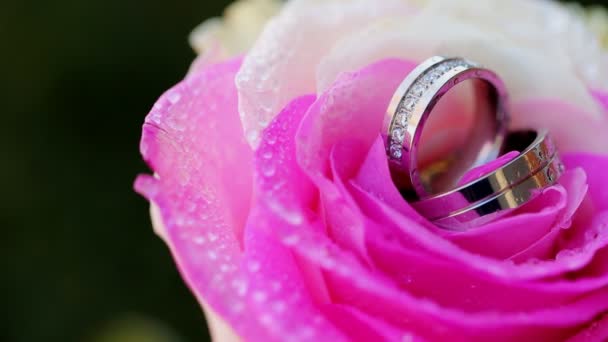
[
  {"x": 268, "y": 169},
  {"x": 267, "y": 154},
  {"x": 271, "y": 139},
  {"x": 291, "y": 240},
  {"x": 293, "y": 217},
  {"x": 253, "y": 136},
  {"x": 174, "y": 97},
  {"x": 240, "y": 286},
  {"x": 212, "y": 236},
  {"x": 253, "y": 266},
  {"x": 259, "y": 296},
  {"x": 279, "y": 306},
  {"x": 266, "y": 319},
  {"x": 238, "y": 307},
  {"x": 275, "y": 286}
]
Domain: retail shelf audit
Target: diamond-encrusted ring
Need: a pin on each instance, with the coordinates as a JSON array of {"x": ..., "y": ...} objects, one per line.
[
  {"x": 412, "y": 105},
  {"x": 510, "y": 186}
]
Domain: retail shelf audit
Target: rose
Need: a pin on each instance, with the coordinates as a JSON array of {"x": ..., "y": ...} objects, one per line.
[{"x": 294, "y": 229}]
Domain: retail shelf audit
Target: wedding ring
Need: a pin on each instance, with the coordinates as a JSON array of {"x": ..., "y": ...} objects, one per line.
[
  {"x": 413, "y": 103},
  {"x": 498, "y": 193}
]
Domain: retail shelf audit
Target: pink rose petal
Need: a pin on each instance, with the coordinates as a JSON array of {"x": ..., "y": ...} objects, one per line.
[
  {"x": 596, "y": 331},
  {"x": 363, "y": 327},
  {"x": 595, "y": 167},
  {"x": 575, "y": 184},
  {"x": 388, "y": 236},
  {"x": 352, "y": 109},
  {"x": 354, "y": 285},
  {"x": 342, "y": 218},
  {"x": 197, "y": 173},
  {"x": 374, "y": 178},
  {"x": 308, "y": 238},
  {"x": 602, "y": 98},
  {"x": 289, "y": 303},
  {"x": 277, "y": 293},
  {"x": 506, "y": 237},
  {"x": 530, "y": 233}
]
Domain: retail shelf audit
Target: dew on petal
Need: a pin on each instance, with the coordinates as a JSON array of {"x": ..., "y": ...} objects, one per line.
[
  {"x": 275, "y": 286},
  {"x": 212, "y": 236},
  {"x": 269, "y": 169},
  {"x": 155, "y": 117},
  {"x": 291, "y": 240},
  {"x": 174, "y": 97},
  {"x": 176, "y": 123},
  {"x": 199, "y": 240},
  {"x": 252, "y": 135},
  {"x": 325, "y": 259},
  {"x": 253, "y": 266},
  {"x": 259, "y": 296},
  {"x": 279, "y": 306},
  {"x": 267, "y": 154},
  {"x": 278, "y": 185},
  {"x": 266, "y": 319},
  {"x": 240, "y": 286},
  {"x": 306, "y": 333},
  {"x": 179, "y": 220},
  {"x": 567, "y": 253},
  {"x": 271, "y": 139},
  {"x": 212, "y": 255},
  {"x": 407, "y": 338},
  {"x": 238, "y": 307},
  {"x": 293, "y": 217},
  {"x": 191, "y": 206}
]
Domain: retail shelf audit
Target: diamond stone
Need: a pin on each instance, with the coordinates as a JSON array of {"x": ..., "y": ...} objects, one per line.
[
  {"x": 457, "y": 63},
  {"x": 398, "y": 134},
  {"x": 432, "y": 76},
  {"x": 402, "y": 119},
  {"x": 418, "y": 88},
  {"x": 443, "y": 68},
  {"x": 409, "y": 103},
  {"x": 396, "y": 151}
]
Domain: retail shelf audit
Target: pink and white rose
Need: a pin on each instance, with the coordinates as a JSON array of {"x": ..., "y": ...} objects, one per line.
[{"x": 271, "y": 185}]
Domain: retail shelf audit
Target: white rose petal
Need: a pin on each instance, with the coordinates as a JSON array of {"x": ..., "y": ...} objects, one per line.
[
  {"x": 282, "y": 63},
  {"x": 529, "y": 70},
  {"x": 541, "y": 48}
]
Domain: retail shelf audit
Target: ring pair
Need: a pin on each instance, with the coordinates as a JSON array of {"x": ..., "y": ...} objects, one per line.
[{"x": 513, "y": 167}]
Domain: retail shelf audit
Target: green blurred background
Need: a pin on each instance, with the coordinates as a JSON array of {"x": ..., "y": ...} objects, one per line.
[{"x": 79, "y": 259}]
